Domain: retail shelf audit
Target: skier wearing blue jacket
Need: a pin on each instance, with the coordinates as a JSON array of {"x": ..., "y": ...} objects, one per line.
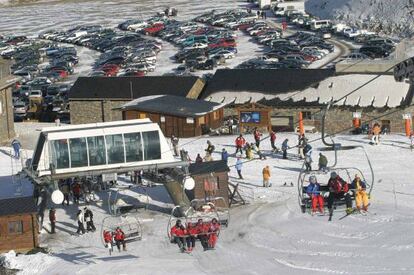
[{"x": 313, "y": 190}]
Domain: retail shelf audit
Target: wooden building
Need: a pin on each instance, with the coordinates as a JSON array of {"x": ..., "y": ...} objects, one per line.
[
  {"x": 178, "y": 116},
  {"x": 207, "y": 174},
  {"x": 6, "y": 103},
  {"x": 18, "y": 224},
  {"x": 96, "y": 99}
]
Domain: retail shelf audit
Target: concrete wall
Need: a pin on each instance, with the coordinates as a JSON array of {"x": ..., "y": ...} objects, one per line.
[{"x": 6, "y": 116}]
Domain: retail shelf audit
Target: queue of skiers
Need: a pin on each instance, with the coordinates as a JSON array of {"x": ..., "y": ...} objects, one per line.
[
  {"x": 185, "y": 236},
  {"x": 338, "y": 189}
]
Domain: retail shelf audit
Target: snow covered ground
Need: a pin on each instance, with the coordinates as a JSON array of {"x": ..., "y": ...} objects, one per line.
[{"x": 270, "y": 235}]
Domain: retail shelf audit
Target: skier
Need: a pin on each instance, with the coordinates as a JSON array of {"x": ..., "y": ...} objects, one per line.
[
  {"x": 191, "y": 232},
  {"x": 240, "y": 142},
  {"x": 273, "y": 140},
  {"x": 202, "y": 231},
  {"x": 323, "y": 163},
  {"x": 52, "y": 219},
  {"x": 76, "y": 189},
  {"x": 80, "y": 219},
  {"x": 224, "y": 155},
  {"x": 178, "y": 235},
  {"x": 16, "y": 147},
  {"x": 213, "y": 231},
  {"x": 338, "y": 189},
  {"x": 285, "y": 147},
  {"x": 174, "y": 142},
  {"x": 257, "y": 135},
  {"x": 376, "y": 131},
  {"x": 89, "y": 220},
  {"x": 108, "y": 239},
  {"x": 266, "y": 176},
  {"x": 361, "y": 197},
  {"x": 239, "y": 165},
  {"x": 120, "y": 239},
  {"x": 313, "y": 190},
  {"x": 198, "y": 159}
]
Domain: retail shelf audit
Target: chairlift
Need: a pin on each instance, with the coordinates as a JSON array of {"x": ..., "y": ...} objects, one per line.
[
  {"x": 130, "y": 225},
  {"x": 199, "y": 209},
  {"x": 123, "y": 199},
  {"x": 346, "y": 173}
]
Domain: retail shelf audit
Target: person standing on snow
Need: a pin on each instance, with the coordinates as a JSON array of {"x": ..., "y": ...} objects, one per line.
[
  {"x": 174, "y": 142},
  {"x": 361, "y": 197},
  {"x": 266, "y": 176},
  {"x": 16, "y": 147},
  {"x": 285, "y": 147},
  {"x": 376, "y": 131},
  {"x": 81, "y": 219},
  {"x": 323, "y": 163},
  {"x": 52, "y": 219},
  {"x": 224, "y": 155},
  {"x": 239, "y": 165},
  {"x": 273, "y": 140},
  {"x": 313, "y": 190},
  {"x": 240, "y": 142},
  {"x": 338, "y": 188},
  {"x": 257, "y": 135}
]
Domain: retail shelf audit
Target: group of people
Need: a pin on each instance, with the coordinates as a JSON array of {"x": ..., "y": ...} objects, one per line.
[
  {"x": 85, "y": 217},
  {"x": 338, "y": 189},
  {"x": 186, "y": 236},
  {"x": 116, "y": 237}
]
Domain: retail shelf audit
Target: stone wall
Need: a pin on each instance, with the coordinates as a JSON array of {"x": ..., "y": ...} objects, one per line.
[
  {"x": 92, "y": 111},
  {"x": 6, "y": 116}
]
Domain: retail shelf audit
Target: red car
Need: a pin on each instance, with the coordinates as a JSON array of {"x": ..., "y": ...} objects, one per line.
[{"x": 154, "y": 29}]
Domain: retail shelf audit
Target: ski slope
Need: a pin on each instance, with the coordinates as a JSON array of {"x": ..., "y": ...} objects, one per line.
[{"x": 269, "y": 235}]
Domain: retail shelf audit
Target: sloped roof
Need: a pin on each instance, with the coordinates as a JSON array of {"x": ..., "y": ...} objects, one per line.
[
  {"x": 208, "y": 167},
  {"x": 172, "y": 105},
  {"x": 121, "y": 87},
  {"x": 15, "y": 206},
  {"x": 244, "y": 85}
]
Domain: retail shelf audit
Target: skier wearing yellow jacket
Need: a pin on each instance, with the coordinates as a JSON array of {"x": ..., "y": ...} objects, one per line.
[{"x": 361, "y": 196}]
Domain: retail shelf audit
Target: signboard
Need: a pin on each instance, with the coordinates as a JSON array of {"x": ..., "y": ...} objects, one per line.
[{"x": 250, "y": 117}]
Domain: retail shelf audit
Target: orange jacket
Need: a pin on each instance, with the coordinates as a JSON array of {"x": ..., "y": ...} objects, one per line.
[{"x": 266, "y": 173}]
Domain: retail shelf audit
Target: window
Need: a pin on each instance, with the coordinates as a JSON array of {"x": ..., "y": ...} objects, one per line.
[
  {"x": 60, "y": 153},
  {"x": 78, "y": 152},
  {"x": 115, "y": 148},
  {"x": 152, "y": 147},
  {"x": 307, "y": 115},
  {"x": 133, "y": 147},
  {"x": 96, "y": 147},
  {"x": 189, "y": 120},
  {"x": 15, "y": 227}
]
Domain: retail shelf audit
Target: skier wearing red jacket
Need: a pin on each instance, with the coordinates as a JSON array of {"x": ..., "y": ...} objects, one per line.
[
  {"x": 178, "y": 233},
  {"x": 213, "y": 231},
  {"x": 240, "y": 142}
]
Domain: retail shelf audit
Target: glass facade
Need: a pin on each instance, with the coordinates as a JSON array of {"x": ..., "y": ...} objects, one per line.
[
  {"x": 103, "y": 150},
  {"x": 115, "y": 148},
  {"x": 97, "y": 154},
  {"x": 152, "y": 148},
  {"x": 133, "y": 147},
  {"x": 78, "y": 152},
  {"x": 60, "y": 153}
]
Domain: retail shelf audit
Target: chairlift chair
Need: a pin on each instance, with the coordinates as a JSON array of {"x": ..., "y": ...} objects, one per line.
[
  {"x": 344, "y": 172},
  {"x": 130, "y": 225}
]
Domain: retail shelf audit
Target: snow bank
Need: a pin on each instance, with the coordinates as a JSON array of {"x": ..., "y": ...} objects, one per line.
[
  {"x": 27, "y": 264},
  {"x": 377, "y": 15}
]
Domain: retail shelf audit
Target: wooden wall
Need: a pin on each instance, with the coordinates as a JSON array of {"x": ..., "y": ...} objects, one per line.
[
  {"x": 222, "y": 180},
  {"x": 178, "y": 126},
  {"x": 19, "y": 242}
]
